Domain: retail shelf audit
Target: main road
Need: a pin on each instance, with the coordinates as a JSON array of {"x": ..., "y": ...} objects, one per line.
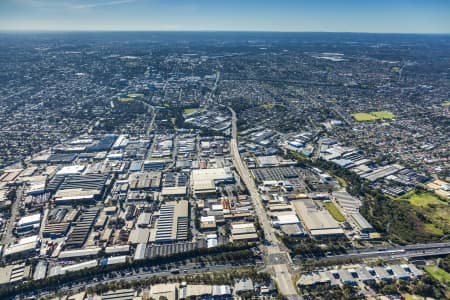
[{"x": 277, "y": 259}]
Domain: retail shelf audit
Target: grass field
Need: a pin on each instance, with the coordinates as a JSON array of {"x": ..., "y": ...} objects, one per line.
[
  {"x": 190, "y": 110},
  {"x": 373, "y": 116},
  {"x": 126, "y": 99},
  {"x": 267, "y": 105},
  {"x": 446, "y": 103},
  {"x": 361, "y": 117},
  {"x": 425, "y": 200},
  {"x": 383, "y": 114},
  {"x": 408, "y": 296},
  {"x": 334, "y": 211},
  {"x": 438, "y": 273},
  {"x": 135, "y": 95}
]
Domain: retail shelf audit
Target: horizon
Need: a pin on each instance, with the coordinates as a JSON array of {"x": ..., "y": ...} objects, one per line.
[
  {"x": 384, "y": 16},
  {"x": 210, "y": 31}
]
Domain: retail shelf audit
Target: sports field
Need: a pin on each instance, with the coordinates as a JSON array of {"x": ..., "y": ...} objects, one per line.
[
  {"x": 190, "y": 110},
  {"x": 373, "y": 116}
]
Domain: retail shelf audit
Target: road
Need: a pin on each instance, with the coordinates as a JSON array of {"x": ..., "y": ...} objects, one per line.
[
  {"x": 278, "y": 260},
  {"x": 396, "y": 252},
  {"x": 8, "y": 234},
  {"x": 140, "y": 274}
]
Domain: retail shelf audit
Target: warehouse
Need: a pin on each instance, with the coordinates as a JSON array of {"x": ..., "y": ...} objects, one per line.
[
  {"x": 25, "y": 247},
  {"x": 125, "y": 294},
  {"x": 58, "y": 270},
  {"x": 173, "y": 222},
  {"x": 55, "y": 230},
  {"x": 81, "y": 188},
  {"x": 71, "y": 170},
  {"x": 113, "y": 260},
  {"x": 70, "y": 254},
  {"x": 117, "y": 249},
  {"x": 139, "y": 236},
  {"x": 82, "y": 228},
  {"x": 14, "y": 273},
  {"x": 145, "y": 181},
  {"x": 174, "y": 191},
  {"x": 140, "y": 251},
  {"x": 195, "y": 292},
  {"x": 154, "y": 165},
  {"x": 317, "y": 221},
  {"x": 285, "y": 220},
  {"x": 363, "y": 225},
  {"x": 28, "y": 223},
  {"x": 40, "y": 270},
  {"x": 204, "y": 181},
  {"x": 208, "y": 222},
  {"x": 243, "y": 231}
]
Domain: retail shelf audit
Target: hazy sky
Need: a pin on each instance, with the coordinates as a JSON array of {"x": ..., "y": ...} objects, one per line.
[{"x": 417, "y": 16}]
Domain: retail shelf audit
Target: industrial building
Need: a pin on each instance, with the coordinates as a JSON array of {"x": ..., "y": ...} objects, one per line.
[
  {"x": 243, "y": 231},
  {"x": 77, "y": 237},
  {"x": 318, "y": 222},
  {"x": 25, "y": 247},
  {"x": 204, "y": 181},
  {"x": 14, "y": 273},
  {"x": 80, "y": 188},
  {"x": 28, "y": 223},
  {"x": 145, "y": 181},
  {"x": 173, "y": 223}
]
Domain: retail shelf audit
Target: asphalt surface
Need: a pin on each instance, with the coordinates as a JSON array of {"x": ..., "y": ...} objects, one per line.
[
  {"x": 140, "y": 274},
  {"x": 409, "y": 251}
]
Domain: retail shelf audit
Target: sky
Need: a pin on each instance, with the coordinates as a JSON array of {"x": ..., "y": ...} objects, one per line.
[{"x": 381, "y": 16}]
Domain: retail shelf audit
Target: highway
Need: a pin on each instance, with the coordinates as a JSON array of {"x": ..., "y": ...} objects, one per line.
[
  {"x": 408, "y": 251},
  {"x": 277, "y": 259},
  {"x": 139, "y": 274}
]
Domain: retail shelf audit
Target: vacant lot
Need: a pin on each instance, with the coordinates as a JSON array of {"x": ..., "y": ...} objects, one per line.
[
  {"x": 334, "y": 211},
  {"x": 425, "y": 200}
]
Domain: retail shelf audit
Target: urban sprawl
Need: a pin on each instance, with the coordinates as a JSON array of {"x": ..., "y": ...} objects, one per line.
[{"x": 221, "y": 166}]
